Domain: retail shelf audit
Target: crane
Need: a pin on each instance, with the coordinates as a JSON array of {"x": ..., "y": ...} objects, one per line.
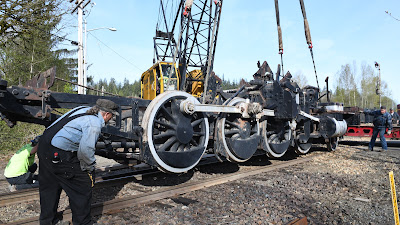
[{"x": 184, "y": 48}]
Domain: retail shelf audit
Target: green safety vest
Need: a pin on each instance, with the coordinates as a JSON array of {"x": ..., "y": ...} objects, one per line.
[{"x": 20, "y": 162}]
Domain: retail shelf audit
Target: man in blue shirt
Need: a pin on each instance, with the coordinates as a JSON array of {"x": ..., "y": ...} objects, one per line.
[
  {"x": 67, "y": 160},
  {"x": 382, "y": 119}
]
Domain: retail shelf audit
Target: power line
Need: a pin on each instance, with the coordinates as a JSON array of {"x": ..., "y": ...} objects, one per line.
[
  {"x": 90, "y": 88},
  {"x": 117, "y": 53},
  {"x": 387, "y": 12}
]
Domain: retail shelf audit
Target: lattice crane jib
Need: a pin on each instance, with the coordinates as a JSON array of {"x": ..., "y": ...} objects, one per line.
[{"x": 186, "y": 34}]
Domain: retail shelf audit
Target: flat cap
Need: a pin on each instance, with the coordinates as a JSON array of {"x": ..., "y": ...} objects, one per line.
[
  {"x": 107, "y": 106},
  {"x": 383, "y": 107}
]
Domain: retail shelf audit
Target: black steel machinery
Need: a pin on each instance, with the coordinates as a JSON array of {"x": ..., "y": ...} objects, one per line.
[{"x": 175, "y": 122}]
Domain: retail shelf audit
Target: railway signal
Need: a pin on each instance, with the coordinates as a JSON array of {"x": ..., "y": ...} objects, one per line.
[{"x": 378, "y": 84}]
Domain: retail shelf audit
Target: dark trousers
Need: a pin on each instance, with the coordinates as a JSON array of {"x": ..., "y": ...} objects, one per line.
[
  {"x": 381, "y": 132},
  {"x": 65, "y": 175},
  {"x": 25, "y": 180}
]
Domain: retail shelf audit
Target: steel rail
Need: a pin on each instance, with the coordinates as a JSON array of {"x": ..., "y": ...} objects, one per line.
[
  {"x": 104, "y": 181},
  {"x": 121, "y": 203},
  {"x": 101, "y": 181},
  {"x": 4, "y": 182}
]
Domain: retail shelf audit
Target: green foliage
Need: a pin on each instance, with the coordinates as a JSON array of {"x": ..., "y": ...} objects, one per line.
[
  {"x": 354, "y": 89},
  {"x": 68, "y": 88},
  {"x": 125, "y": 88},
  {"x": 28, "y": 41},
  {"x": 227, "y": 84},
  {"x": 12, "y": 139},
  {"x": 128, "y": 89}
]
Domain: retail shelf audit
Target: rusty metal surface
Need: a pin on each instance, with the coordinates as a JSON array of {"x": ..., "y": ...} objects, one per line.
[
  {"x": 41, "y": 80},
  {"x": 299, "y": 221}
]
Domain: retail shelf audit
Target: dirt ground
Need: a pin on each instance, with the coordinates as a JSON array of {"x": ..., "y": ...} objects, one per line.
[{"x": 348, "y": 186}]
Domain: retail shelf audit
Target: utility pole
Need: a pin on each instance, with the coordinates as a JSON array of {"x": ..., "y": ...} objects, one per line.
[
  {"x": 85, "y": 62},
  {"x": 80, "y": 51},
  {"x": 80, "y": 5},
  {"x": 378, "y": 85}
]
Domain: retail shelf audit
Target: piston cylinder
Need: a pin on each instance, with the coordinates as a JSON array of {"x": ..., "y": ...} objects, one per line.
[{"x": 330, "y": 127}]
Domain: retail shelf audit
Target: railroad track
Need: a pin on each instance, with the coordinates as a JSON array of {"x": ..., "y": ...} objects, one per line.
[
  {"x": 31, "y": 194},
  {"x": 168, "y": 192},
  {"x": 101, "y": 181},
  {"x": 4, "y": 183},
  {"x": 390, "y": 143},
  {"x": 107, "y": 180}
]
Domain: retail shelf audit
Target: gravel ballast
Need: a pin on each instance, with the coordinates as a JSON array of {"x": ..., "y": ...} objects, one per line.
[{"x": 348, "y": 186}]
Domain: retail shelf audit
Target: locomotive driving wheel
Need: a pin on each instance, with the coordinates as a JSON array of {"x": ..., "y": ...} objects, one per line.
[
  {"x": 239, "y": 136},
  {"x": 332, "y": 143},
  {"x": 302, "y": 148},
  {"x": 276, "y": 137},
  {"x": 177, "y": 141}
]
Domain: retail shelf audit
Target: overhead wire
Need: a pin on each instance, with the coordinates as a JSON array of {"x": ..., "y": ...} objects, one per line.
[
  {"x": 116, "y": 52},
  {"x": 387, "y": 12},
  {"x": 93, "y": 89}
]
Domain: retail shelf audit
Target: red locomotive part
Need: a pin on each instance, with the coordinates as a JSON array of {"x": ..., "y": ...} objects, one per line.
[{"x": 365, "y": 130}]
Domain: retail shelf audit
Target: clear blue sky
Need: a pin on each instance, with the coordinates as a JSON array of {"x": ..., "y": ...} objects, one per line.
[{"x": 342, "y": 32}]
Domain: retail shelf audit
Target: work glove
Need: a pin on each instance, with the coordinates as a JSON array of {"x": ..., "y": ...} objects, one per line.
[
  {"x": 32, "y": 168},
  {"x": 389, "y": 132},
  {"x": 35, "y": 141}
]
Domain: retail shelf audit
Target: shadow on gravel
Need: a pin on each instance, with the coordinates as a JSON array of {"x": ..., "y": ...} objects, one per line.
[
  {"x": 259, "y": 160},
  {"x": 318, "y": 148},
  {"x": 390, "y": 143},
  {"x": 219, "y": 168},
  {"x": 166, "y": 179}
]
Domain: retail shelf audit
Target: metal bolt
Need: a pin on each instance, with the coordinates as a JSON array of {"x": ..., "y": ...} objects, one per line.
[{"x": 15, "y": 92}]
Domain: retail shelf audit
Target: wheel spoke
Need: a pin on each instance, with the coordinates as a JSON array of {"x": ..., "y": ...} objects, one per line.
[
  {"x": 197, "y": 122},
  {"x": 181, "y": 148},
  {"x": 174, "y": 147},
  {"x": 232, "y": 124},
  {"x": 194, "y": 142},
  {"x": 232, "y": 132},
  {"x": 273, "y": 137},
  {"x": 166, "y": 125},
  {"x": 198, "y": 133},
  {"x": 268, "y": 133},
  {"x": 168, "y": 143},
  {"x": 168, "y": 133},
  {"x": 167, "y": 114}
]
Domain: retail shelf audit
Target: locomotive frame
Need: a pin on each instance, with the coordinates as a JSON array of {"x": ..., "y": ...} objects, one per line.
[{"x": 174, "y": 130}]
